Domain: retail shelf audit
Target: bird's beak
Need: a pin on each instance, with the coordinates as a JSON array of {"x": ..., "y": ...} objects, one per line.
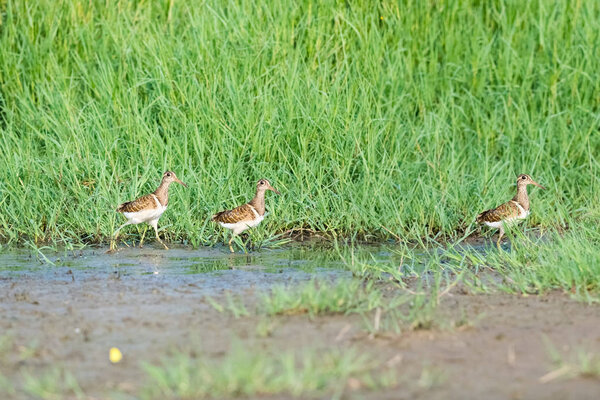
[
  {"x": 537, "y": 184},
  {"x": 181, "y": 183},
  {"x": 273, "y": 189}
]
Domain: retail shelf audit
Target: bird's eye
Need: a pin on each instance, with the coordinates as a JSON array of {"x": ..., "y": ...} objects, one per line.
[
  {"x": 523, "y": 177},
  {"x": 168, "y": 174}
]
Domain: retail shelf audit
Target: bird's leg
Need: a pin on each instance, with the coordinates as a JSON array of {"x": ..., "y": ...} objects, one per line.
[
  {"x": 230, "y": 240},
  {"x": 500, "y": 237},
  {"x": 142, "y": 239},
  {"x": 113, "y": 241},
  {"x": 246, "y": 242},
  {"x": 154, "y": 224}
]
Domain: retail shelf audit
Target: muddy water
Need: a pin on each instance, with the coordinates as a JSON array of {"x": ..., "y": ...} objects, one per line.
[{"x": 213, "y": 271}]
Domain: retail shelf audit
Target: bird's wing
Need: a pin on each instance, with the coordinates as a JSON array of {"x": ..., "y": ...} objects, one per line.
[
  {"x": 500, "y": 213},
  {"x": 238, "y": 214},
  {"x": 141, "y": 203}
]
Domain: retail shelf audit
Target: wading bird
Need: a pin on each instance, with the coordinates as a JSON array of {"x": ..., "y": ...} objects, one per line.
[
  {"x": 245, "y": 216},
  {"x": 148, "y": 208},
  {"x": 511, "y": 212}
]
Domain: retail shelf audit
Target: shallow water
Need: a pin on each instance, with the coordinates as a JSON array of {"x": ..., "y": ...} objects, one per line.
[{"x": 212, "y": 270}]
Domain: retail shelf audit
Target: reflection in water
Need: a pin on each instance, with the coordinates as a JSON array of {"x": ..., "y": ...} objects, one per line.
[{"x": 212, "y": 269}]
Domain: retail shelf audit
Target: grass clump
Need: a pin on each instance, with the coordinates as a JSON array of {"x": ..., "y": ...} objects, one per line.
[
  {"x": 383, "y": 307},
  {"x": 234, "y": 305},
  {"x": 404, "y": 117},
  {"x": 580, "y": 363},
  {"x": 32, "y": 381},
  {"x": 530, "y": 263},
  {"x": 569, "y": 262},
  {"x": 52, "y": 384},
  {"x": 245, "y": 372},
  {"x": 318, "y": 297}
]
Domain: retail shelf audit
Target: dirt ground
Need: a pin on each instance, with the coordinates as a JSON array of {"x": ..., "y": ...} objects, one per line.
[{"x": 72, "y": 318}]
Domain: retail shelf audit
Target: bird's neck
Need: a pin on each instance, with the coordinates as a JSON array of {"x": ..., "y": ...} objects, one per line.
[
  {"x": 521, "y": 197},
  {"x": 162, "y": 193},
  {"x": 258, "y": 202}
]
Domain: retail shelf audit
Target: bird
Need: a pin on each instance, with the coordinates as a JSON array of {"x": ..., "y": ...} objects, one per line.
[
  {"x": 512, "y": 211},
  {"x": 245, "y": 216},
  {"x": 148, "y": 208}
]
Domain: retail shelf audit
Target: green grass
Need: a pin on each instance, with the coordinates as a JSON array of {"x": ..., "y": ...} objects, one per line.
[
  {"x": 53, "y": 384},
  {"x": 383, "y": 307},
  {"x": 27, "y": 379},
  {"x": 567, "y": 262},
  {"x": 319, "y": 297},
  {"x": 578, "y": 363},
  {"x": 411, "y": 116},
  {"x": 241, "y": 372},
  {"x": 245, "y": 372}
]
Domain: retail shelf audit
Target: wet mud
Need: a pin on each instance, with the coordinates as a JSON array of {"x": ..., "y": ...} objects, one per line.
[{"x": 68, "y": 309}]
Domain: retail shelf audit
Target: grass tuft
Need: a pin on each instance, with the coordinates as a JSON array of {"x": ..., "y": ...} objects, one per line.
[
  {"x": 581, "y": 363},
  {"x": 318, "y": 297},
  {"x": 245, "y": 372}
]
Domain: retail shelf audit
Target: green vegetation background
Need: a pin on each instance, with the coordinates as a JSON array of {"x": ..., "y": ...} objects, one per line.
[{"x": 410, "y": 115}]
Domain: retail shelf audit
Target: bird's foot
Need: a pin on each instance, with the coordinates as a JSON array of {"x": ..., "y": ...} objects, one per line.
[
  {"x": 112, "y": 247},
  {"x": 163, "y": 243}
]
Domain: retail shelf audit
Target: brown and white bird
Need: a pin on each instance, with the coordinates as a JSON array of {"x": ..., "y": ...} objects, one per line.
[
  {"x": 246, "y": 216},
  {"x": 148, "y": 208},
  {"x": 511, "y": 212}
]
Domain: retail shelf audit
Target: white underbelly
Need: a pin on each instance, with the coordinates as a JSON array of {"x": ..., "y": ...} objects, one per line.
[
  {"x": 241, "y": 226},
  {"x": 522, "y": 215},
  {"x": 144, "y": 215}
]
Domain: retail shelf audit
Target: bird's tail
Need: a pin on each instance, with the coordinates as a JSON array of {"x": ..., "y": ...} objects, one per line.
[
  {"x": 121, "y": 207},
  {"x": 481, "y": 216}
]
